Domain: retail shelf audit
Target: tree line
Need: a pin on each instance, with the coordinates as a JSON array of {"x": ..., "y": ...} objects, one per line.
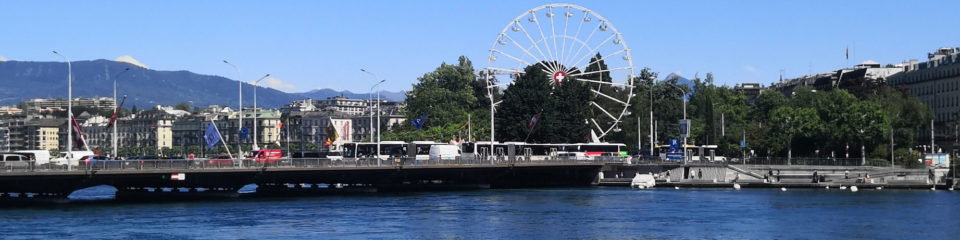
[{"x": 851, "y": 122}]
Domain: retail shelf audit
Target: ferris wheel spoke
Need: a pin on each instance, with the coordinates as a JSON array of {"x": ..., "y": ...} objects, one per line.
[
  {"x": 528, "y": 52},
  {"x": 553, "y": 34},
  {"x": 545, "y": 43},
  {"x": 585, "y": 42},
  {"x": 605, "y": 112},
  {"x": 598, "y": 127},
  {"x": 577, "y": 34},
  {"x": 566, "y": 22},
  {"x": 512, "y": 57},
  {"x": 604, "y": 57},
  {"x": 602, "y": 82},
  {"x": 608, "y": 97},
  {"x": 504, "y": 70},
  {"x": 600, "y": 71},
  {"x": 592, "y": 50},
  {"x": 535, "y": 45}
]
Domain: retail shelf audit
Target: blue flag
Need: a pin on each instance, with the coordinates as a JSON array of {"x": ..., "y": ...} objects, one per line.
[
  {"x": 419, "y": 122},
  {"x": 243, "y": 133},
  {"x": 212, "y": 136}
]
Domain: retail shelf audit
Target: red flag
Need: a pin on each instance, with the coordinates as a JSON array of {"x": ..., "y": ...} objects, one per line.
[
  {"x": 280, "y": 125},
  {"x": 114, "y": 117},
  {"x": 533, "y": 121},
  {"x": 77, "y": 134}
]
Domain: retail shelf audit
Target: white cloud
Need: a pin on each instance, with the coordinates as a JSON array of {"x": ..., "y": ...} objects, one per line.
[
  {"x": 278, "y": 84},
  {"x": 3, "y": 59},
  {"x": 750, "y": 68},
  {"x": 130, "y": 60}
]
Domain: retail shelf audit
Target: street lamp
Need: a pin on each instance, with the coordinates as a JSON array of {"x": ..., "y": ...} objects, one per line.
[
  {"x": 683, "y": 94},
  {"x": 240, "y": 111},
  {"x": 370, "y": 97},
  {"x": 377, "y": 85},
  {"x": 69, "y": 112},
  {"x": 117, "y": 111},
  {"x": 256, "y": 111}
]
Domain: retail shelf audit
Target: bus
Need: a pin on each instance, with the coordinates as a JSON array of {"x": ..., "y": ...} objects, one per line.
[
  {"x": 388, "y": 149},
  {"x": 543, "y": 151}
]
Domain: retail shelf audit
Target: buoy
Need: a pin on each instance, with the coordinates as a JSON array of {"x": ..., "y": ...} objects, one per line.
[
  {"x": 843, "y": 187},
  {"x": 933, "y": 188},
  {"x": 828, "y": 187},
  {"x": 880, "y": 188},
  {"x": 736, "y": 186},
  {"x": 854, "y": 189},
  {"x": 783, "y": 189},
  {"x": 676, "y": 187},
  {"x": 951, "y": 188}
]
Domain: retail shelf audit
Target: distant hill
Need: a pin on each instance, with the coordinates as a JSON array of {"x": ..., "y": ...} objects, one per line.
[
  {"x": 20, "y": 80},
  {"x": 326, "y": 93}
]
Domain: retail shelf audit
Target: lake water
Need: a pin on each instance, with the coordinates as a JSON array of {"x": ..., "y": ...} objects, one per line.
[{"x": 582, "y": 213}]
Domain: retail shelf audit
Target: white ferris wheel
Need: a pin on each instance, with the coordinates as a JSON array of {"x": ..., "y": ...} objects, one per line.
[{"x": 564, "y": 39}]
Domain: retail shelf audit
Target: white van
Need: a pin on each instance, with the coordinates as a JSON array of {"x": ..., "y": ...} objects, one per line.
[
  {"x": 40, "y": 157},
  {"x": 14, "y": 160},
  {"x": 444, "y": 152},
  {"x": 61, "y": 158}
]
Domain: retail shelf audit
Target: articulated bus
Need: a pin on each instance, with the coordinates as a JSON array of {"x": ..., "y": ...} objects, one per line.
[
  {"x": 388, "y": 149},
  {"x": 544, "y": 151}
]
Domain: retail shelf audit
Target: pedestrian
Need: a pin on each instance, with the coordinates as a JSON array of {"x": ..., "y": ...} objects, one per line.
[
  {"x": 778, "y": 175},
  {"x": 699, "y": 173},
  {"x": 668, "y": 175},
  {"x": 846, "y": 174},
  {"x": 815, "y": 179}
]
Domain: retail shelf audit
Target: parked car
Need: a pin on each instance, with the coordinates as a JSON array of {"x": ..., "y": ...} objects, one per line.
[
  {"x": 99, "y": 161},
  {"x": 223, "y": 160}
]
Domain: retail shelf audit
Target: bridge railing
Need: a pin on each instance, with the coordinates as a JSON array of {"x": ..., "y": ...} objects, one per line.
[{"x": 150, "y": 164}]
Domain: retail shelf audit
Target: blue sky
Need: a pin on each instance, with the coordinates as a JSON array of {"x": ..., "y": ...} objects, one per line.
[{"x": 323, "y": 44}]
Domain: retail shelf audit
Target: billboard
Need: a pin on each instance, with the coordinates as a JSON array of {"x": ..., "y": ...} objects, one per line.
[
  {"x": 685, "y": 128},
  {"x": 939, "y": 160}
]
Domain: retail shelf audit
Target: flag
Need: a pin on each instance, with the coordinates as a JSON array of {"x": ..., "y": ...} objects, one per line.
[
  {"x": 212, "y": 136},
  {"x": 331, "y": 135},
  {"x": 419, "y": 122},
  {"x": 243, "y": 133},
  {"x": 77, "y": 134},
  {"x": 533, "y": 121},
  {"x": 114, "y": 117},
  {"x": 280, "y": 125}
]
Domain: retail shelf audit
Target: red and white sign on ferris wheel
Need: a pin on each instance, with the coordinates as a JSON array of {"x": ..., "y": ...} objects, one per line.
[{"x": 558, "y": 77}]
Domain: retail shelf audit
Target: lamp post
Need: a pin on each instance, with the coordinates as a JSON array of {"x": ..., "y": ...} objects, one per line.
[
  {"x": 683, "y": 97},
  {"x": 69, "y": 112},
  {"x": 377, "y": 86},
  {"x": 240, "y": 111},
  {"x": 370, "y": 97},
  {"x": 256, "y": 111},
  {"x": 114, "y": 142}
]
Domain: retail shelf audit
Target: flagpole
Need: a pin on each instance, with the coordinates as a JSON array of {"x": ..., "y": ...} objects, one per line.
[{"x": 221, "y": 139}]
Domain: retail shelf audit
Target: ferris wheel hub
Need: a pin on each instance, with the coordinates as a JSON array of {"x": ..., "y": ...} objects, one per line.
[{"x": 559, "y": 77}]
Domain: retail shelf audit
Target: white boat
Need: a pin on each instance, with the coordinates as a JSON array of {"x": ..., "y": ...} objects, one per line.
[{"x": 643, "y": 181}]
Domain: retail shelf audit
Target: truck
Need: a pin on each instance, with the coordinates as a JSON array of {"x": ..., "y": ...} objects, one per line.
[
  {"x": 266, "y": 156},
  {"x": 444, "y": 152},
  {"x": 61, "y": 158},
  {"x": 40, "y": 157}
]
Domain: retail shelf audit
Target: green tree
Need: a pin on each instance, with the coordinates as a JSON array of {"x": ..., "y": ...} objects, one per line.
[
  {"x": 789, "y": 122},
  {"x": 448, "y": 93},
  {"x": 182, "y": 106},
  {"x": 529, "y": 94}
]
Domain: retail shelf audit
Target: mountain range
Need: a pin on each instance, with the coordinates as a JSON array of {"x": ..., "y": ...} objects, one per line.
[{"x": 24, "y": 80}]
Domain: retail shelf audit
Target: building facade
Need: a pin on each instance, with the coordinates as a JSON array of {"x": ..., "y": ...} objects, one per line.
[{"x": 936, "y": 83}]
